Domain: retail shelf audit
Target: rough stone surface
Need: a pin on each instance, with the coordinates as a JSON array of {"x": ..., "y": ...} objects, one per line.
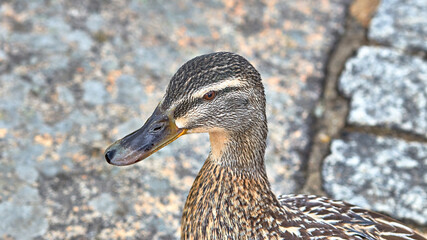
[
  {"x": 76, "y": 75},
  {"x": 401, "y": 24},
  {"x": 386, "y": 88},
  {"x": 23, "y": 216},
  {"x": 384, "y": 174}
]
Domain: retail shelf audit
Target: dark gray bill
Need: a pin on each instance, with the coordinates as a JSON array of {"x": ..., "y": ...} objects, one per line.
[{"x": 157, "y": 132}]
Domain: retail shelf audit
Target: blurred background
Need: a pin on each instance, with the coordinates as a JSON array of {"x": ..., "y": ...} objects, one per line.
[{"x": 346, "y": 86}]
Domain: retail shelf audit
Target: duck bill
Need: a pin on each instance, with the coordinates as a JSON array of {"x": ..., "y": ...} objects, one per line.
[{"x": 157, "y": 132}]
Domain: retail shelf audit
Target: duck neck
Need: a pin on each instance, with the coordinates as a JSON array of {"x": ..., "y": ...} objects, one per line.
[
  {"x": 240, "y": 150},
  {"x": 231, "y": 193},
  {"x": 224, "y": 203}
]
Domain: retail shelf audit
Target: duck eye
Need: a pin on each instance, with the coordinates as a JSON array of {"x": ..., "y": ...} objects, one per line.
[{"x": 209, "y": 95}]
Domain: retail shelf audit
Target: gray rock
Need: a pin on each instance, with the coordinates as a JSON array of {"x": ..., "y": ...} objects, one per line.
[
  {"x": 130, "y": 91},
  {"x": 83, "y": 118},
  {"x": 158, "y": 187},
  {"x": 83, "y": 41},
  {"x": 91, "y": 136},
  {"x": 109, "y": 64},
  {"x": 62, "y": 80},
  {"x": 18, "y": 89},
  {"x": 287, "y": 138},
  {"x": 51, "y": 43},
  {"x": 24, "y": 217},
  {"x": 22, "y": 221},
  {"x": 26, "y": 195},
  {"x": 104, "y": 203},
  {"x": 384, "y": 174},
  {"x": 27, "y": 173},
  {"x": 65, "y": 95},
  {"x": 128, "y": 127},
  {"x": 401, "y": 23},
  {"x": 49, "y": 168},
  {"x": 3, "y": 56},
  {"x": 155, "y": 60},
  {"x": 386, "y": 88},
  {"x": 57, "y": 25},
  {"x": 94, "y": 92},
  {"x": 27, "y": 154},
  {"x": 94, "y": 23}
]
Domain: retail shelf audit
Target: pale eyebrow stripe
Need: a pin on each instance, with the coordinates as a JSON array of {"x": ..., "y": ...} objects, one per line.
[{"x": 232, "y": 82}]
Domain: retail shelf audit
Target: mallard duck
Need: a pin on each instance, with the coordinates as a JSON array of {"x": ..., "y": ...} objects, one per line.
[{"x": 222, "y": 94}]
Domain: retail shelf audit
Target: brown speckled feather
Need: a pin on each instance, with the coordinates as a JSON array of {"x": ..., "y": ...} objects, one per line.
[
  {"x": 231, "y": 197},
  {"x": 225, "y": 204},
  {"x": 241, "y": 206},
  {"x": 356, "y": 221}
]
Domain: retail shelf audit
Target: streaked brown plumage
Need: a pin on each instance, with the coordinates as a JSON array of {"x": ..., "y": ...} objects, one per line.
[{"x": 231, "y": 198}]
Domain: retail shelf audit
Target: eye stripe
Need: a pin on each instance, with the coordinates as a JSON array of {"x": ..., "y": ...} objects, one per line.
[
  {"x": 217, "y": 87},
  {"x": 186, "y": 105}
]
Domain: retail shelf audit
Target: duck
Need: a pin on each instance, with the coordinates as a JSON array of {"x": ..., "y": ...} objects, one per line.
[{"x": 222, "y": 94}]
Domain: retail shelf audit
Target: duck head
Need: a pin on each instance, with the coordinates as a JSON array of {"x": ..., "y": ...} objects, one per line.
[{"x": 219, "y": 93}]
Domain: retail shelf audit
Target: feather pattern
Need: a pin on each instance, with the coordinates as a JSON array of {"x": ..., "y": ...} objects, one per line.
[
  {"x": 356, "y": 221},
  {"x": 225, "y": 204},
  {"x": 231, "y": 197}
]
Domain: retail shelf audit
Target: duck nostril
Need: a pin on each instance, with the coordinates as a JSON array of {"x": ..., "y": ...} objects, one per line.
[
  {"x": 158, "y": 128},
  {"x": 109, "y": 155}
]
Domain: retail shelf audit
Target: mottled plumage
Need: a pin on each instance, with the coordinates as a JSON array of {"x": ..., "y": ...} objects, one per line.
[
  {"x": 356, "y": 221},
  {"x": 231, "y": 198}
]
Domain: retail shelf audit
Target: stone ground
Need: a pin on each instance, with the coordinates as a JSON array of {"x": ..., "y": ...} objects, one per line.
[
  {"x": 76, "y": 75},
  {"x": 379, "y": 160}
]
